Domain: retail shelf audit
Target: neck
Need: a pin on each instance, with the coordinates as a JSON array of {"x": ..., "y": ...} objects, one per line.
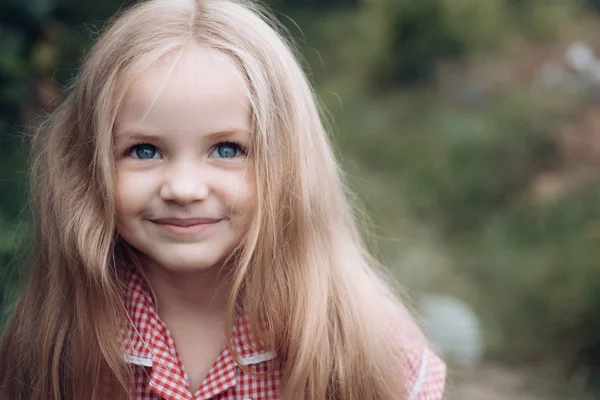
[{"x": 192, "y": 294}]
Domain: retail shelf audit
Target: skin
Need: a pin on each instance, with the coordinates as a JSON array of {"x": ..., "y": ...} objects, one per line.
[{"x": 184, "y": 193}]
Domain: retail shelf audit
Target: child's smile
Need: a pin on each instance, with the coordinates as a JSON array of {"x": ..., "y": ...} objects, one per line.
[
  {"x": 186, "y": 226},
  {"x": 183, "y": 170}
]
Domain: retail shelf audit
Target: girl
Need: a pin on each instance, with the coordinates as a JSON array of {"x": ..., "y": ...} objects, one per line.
[{"x": 193, "y": 236}]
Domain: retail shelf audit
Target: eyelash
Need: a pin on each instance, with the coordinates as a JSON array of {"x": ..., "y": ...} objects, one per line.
[{"x": 241, "y": 148}]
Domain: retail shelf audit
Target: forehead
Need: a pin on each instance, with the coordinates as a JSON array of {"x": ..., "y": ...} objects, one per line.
[{"x": 195, "y": 87}]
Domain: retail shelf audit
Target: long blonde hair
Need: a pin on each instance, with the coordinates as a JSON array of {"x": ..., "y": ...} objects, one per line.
[{"x": 325, "y": 307}]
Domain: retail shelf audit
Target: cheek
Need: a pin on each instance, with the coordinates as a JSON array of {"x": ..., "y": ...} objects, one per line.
[
  {"x": 133, "y": 191},
  {"x": 249, "y": 197},
  {"x": 241, "y": 195}
]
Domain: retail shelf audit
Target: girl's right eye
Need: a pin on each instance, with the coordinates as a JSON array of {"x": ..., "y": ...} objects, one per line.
[{"x": 144, "y": 151}]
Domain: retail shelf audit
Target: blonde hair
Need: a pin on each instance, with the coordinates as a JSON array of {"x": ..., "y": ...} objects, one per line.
[{"x": 325, "y": 309}]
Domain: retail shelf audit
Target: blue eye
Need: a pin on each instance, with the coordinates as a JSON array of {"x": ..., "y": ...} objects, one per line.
[
  {"x": 227, "y": 150},
  {"x": 144, "y": 151}
]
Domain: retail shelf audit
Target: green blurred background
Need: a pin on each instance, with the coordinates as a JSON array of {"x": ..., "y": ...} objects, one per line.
[{"x": 470, "y": 129}]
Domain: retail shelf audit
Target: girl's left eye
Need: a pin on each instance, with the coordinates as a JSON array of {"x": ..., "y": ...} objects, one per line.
[
  {"x": 144, "y": 151},
  {"x": 227, "y": 150}
]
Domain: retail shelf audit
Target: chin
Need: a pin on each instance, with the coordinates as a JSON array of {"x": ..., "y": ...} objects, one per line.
[{"x": 187, "y": 265}]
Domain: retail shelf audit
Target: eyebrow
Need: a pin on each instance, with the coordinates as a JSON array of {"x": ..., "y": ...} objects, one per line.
[
  {"x": 223, "y": 134},
  {"x": 135, "y": 135}
]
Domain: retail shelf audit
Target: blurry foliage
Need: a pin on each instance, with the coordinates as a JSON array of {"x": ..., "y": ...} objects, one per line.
[
  {"x": 542, "y": 261},
  {"x": 417, "y": 35},
  {"x": 413, "y": 37},
  {"x": 594, "y": 3},
  {"x": 465, "y": 169},
  {"x": 319, "y": 5}
]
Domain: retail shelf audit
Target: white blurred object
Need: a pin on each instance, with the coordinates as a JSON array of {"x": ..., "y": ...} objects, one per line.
[
  {"x": 581, "y": 57},
  {"x": 453, "y": 328}
]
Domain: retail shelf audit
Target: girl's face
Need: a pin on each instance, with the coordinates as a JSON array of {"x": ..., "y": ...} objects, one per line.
[{"x": 184, "y": 190}]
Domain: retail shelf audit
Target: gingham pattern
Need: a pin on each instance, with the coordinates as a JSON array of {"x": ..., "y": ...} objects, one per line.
[
  {"x": 423, "y": 372},
  {"x": 159, "y": 373}
]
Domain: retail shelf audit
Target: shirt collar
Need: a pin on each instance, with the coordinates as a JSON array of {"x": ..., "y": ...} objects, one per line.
[{"x": 141, "y": 333}]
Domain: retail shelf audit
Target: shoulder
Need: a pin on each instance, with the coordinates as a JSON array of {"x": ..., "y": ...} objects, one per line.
[{"x": 423, "y": 372}]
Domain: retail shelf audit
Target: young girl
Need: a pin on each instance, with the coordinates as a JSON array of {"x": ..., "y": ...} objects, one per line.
[{"x": 193, "y": 237}]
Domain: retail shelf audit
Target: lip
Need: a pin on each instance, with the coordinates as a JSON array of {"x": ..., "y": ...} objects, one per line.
[
  {"x": 185, "y": 221},
  {"x": 185, "y": 226}
]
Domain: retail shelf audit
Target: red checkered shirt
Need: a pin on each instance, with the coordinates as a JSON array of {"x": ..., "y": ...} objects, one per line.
[{"x": 159, "y": 373}]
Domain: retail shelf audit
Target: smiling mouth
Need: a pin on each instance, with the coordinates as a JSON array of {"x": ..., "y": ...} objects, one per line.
[
  {"x": 185, "y": 226},
  {"x": 185, "y": 221}
]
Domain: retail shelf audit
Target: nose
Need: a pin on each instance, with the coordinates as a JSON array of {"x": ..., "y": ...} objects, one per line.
[{"x": 184, "y": 183}]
